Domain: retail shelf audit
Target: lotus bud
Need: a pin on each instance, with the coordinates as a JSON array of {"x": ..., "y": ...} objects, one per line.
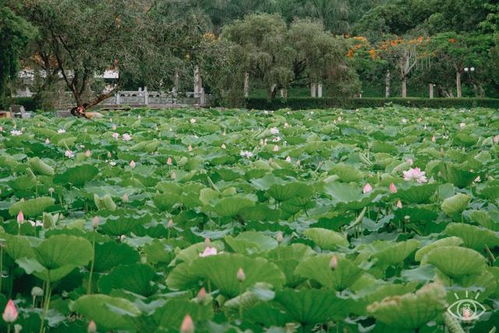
[
  {"x": 223, "y": 146},
  {"x": 201, "y": 296},
  {"x": 276, "y": 148},
  {"x": 173, "y": 175},
  {"x": 187, "y": 325},
  {"x": 109, "y": 155},
  {"x": 189, "y": 148},
  {"x": 193, "y": 121},
  {"x": 125, "y": 197},
  {"x": 132, "y": 164},
  {"x": 433, "y": 139},
  {"x": 462, "y": 125},
  {"x": 288, "y": 159},
  {"x": 170, "y": 224},
  {"x": 20, "y": 217},
  {"x": 92, "y": 327},
  {"x": 393, "y": 188},
  {"x": 17, "y": 328},
  {"x": 95, "y": 222},
  {"x": 495, "y": 139},
  {"x": 399, "y": 204},
  {"x": 47, "y": 141},
  {"x": 279, "y": 236},
  {"x": 367, "y": 188},
  {"x": 333, "y": 263},
  {"x": 37, "y": 292},
  {"x": 207, "y": 241},
  {"x": 240, "y": 275},
  {"x": 10, "y": 313},
  {"x": 169, "y": 161},
  {"x": 88, "y": 153},
  {"x": 209, "y": 251}
]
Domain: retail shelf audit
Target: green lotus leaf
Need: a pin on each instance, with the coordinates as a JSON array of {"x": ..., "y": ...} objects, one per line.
[
  {"x": 459, "y": 177},
  {"x": 32, "y": 207},
  {"x": 104, "y": 202},
  {"x": 318, "y": 268},
  {"x": 19, "y": 246},
  {"x": 251, "y": 242},
  {"x": 108, "y": 312},
  {"x": 412, "y": 310},
  {"x": 486, "y": 281},
  {"x": 455, "y": 261},
  {"x": 111, "y": 254},
  {"x": 342, "y": 192},
  {"x": 484, "y": 219},
  {"x": 326, "y": 239},
  {"x": 287, "y": 258},
  {"x": 32, "y": 266},
  {"x": 136, "y": 278},
  {"x": 221, "y": 270},
  {"x": 396, "y": 253},
  {"x": 267, "y": 314},
  {"x": 261, "y": 292},
  {"x": 417, "y": 193},
  {"x": 231, "y": 206},
  {"x": 60, "y": 250},
  {"x": 448, "y": 241},
  {"x": 40, "y": 167},
  {"x": 290, "y": 190},
  {"x": 474, "y": 237},
  {"x": 379, "y": 292},
  {"x": 170, "y": 316},
  {"x": 347, "y": 173},
  {"x": 455, "y": 204},
  {"x": 122, "y": 223},
  {"x": 192, "y": 252},
  {"x": 312, "y": 306},
  {"x": 77, "y": 175},
  {"x": 165, "y": 201}
]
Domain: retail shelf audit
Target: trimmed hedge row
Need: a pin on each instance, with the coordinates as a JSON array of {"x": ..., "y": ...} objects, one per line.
[{"x": 302, "y": 103}]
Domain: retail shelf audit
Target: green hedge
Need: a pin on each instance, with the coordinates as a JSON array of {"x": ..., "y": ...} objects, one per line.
[
  {"x": 301, "y": 103},
  {"x": 29, "y": 103}
]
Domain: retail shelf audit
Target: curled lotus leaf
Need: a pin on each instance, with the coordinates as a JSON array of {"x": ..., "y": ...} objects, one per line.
[
  {"x": 455, "y": 261},
  {"x": 412, "y": 310},
  {"x": 326, "y": 239},
  {"x": 455, "y": 204},
  {"x": 474, "y": 237},
  {"x": 438, "y": 243}
]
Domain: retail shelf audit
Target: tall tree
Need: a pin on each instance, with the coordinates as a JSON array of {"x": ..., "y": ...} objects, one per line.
[{"x": 15, "y": 32}]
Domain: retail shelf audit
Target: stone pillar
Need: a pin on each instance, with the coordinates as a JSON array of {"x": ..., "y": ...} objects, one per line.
[
  {"x": 118, "y": 98},
  {"x": 387, "y": 84},
  {"x": 319, "y": 90},
  {"x": 246, "y": 85},
  {"x": 431, "y": 85},
  {"x": 313, "y": 90},
  {"x": 176, "y": 82},
  {"x": 198, "y": 82},
  {"x": 146, "y": 96}
]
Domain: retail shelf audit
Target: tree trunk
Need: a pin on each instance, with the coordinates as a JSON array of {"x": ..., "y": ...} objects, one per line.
[
  {"x": 387, "y": 84},
  {"x": 458, "y": 84},
  {"x": 404, "y": 87},
  {"x": 246, "y": 85}
]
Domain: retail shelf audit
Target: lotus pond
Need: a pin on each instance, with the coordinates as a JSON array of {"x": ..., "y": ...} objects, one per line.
[{"x": 380, "y": 220}]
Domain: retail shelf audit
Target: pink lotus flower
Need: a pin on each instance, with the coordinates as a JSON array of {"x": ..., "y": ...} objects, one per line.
[
  {"x": 201, "y": 294},
  {"x": 116, "y": 135},
  {"x": 393, "y": 188},
  {"x": 274, "y": 131},
  {"x": 69, "y": 154},
  {"x": 16, "y": 133},
  {"x": 20, "y": 217},
  {"x": 10, "y": 313},
  {"x": 193, "y": 121},
  {"x": 61, "y": 131},
  {"x": 169, "y": 161},
  {"x": 367, "y": 188},
  {"x": 127, "y": 137},
  {"x": 288, "y": 159},
  {"x": 209, "y": 251},
  {"x": 187, "y": 325},
  {"x": 132, "y": 164},
  {"x": 415, "y": 174}
]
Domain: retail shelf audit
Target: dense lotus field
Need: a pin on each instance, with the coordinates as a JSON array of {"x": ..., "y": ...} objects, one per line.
[{"x": 380, "y": 220}]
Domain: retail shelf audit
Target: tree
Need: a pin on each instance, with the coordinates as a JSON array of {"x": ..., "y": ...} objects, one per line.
[
  {"x": 15, "y": 32},
  {"x": 266, "y": 54},
  {"x": 86, "y": 38}
]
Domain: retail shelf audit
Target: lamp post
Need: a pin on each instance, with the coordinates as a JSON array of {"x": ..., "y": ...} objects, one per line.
[{"x": 469, "y": 70}]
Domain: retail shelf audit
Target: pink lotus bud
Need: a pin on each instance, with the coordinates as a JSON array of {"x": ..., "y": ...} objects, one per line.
[
  {"x": 393, "y": 188},
  {"x": 47, "y": 141},
  {"x": 132, "y": 164},
  {"x": 279, "y": 236},
  {"x": 88, "y": 153},
  {"x": 410, "y": 161},
  {"x": 367, "y": 188},
  {"x": 240, "y": 275},
  {"x": 125, "y": 197},
  {"x": 95, "y": 222},
  {"x": 433, "y": 139},
  {"x": 276, "y": 148},
  {"x": 10, "y": 313},
  {"x": 169, "y": 161},
  {"x": 92, "y": 327},
  {"x": 399, "y": 204},
  {"x": 189, "y": 148},
  {"x": 333, "y": 263},
  {"x": 187, "y": 325},
  {"x": 20, "y": 217},
  {"x": 288, "y": 159},
  {"x": 201, "y": 294},
  {"x": 170, "y": 223},
  {"x": 207, "y": 241}
]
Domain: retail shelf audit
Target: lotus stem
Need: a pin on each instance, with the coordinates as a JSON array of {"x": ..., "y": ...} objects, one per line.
[
  {"x": 491, "y": 255},
  {"x": 452, "y": 324},
  {"x": 89, "y": 289},
  {"x": 1, "y": 267}
]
